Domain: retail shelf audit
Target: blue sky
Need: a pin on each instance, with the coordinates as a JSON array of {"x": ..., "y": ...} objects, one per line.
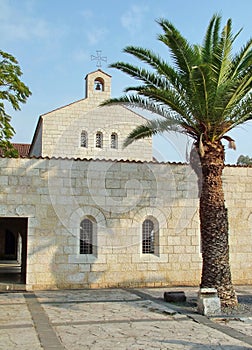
[{"x": 53, "y": 41}]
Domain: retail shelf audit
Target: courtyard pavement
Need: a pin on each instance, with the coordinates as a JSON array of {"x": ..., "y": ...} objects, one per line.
[{"x": 132, "y": 319}]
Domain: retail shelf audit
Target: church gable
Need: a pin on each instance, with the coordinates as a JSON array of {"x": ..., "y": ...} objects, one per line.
[{"x": 83, "y": 129}]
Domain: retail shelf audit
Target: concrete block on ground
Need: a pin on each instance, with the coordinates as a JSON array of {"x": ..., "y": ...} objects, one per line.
[
  {"x": 175, "y": 297},
  {"x": 208, "y": 302}
]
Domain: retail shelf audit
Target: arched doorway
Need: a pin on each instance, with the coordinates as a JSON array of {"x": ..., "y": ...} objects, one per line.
[{"x": 13, "y": 250}]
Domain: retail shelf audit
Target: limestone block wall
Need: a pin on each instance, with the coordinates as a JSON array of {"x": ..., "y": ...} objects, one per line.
[
  {"x": 62, "y": 132},
  {"x": 238, "y": 194},
  {"x": 104, "y": 93},
  {"x": 58, "y": 133},
  {"x": 56, "y": 195}
]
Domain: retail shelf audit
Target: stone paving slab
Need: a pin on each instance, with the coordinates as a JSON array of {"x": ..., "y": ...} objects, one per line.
[
  {"x": 140, "y": 335},
  {"x": 19, "y": 338},
  {"x": 85, "y": 295},
  {"x": 243, "y": 325},
  {"x": 16, "y": 325},
  {"x": 115, "y": 304},
  {"x": 108, "y": 319}
]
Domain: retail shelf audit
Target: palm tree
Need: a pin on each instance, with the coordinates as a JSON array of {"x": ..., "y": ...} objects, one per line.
[{"x": 204, "y": 93}]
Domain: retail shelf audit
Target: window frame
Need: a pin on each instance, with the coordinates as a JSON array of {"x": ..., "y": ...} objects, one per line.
[
  {"x": 89, "y": 240},
  {"x": 99, "y": 143},
  {"x": 114, "y": 142},
  {"x": 150, "y": 239},
  {"x": 84, "y": 134}
]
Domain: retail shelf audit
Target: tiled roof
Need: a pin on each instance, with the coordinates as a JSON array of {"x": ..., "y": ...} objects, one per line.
[
  {"x": 154, "y": 161},
  {"x": 22, "y": 148}
]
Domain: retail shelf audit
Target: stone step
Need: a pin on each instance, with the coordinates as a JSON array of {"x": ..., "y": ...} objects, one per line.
[{"x": 12, "y": 287}]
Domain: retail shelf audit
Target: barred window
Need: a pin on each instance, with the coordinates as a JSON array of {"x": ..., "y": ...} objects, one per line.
[
  {"x": 148, "y": 237},
  {"x": 99, "y": 140},
  {"x": 84, "y": 139},
  {"x": 86, "y": 237},
  {"x": 114, "y": 140}
]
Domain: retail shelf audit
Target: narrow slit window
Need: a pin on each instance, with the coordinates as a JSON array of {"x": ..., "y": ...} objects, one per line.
[
  {"x": 99, "y": 140},
  {"x": 86, "y": 237},
  {"x": 84, "y": 139},
  {"x": 114, "y": 140},
  {"x": 148, "y": 237}
]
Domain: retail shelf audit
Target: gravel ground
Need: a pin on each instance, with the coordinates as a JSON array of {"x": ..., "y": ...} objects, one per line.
[{"x": 244, "y": 308}]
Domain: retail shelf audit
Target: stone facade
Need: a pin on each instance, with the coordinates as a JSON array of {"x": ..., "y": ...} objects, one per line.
[
  {"x": 55, "y": 195},
  {"x": 58, "y": 133},
  {"x": 83, "y": 211}
]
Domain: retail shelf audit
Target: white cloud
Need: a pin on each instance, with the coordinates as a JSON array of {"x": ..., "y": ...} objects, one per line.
[
  {"x": 23, "y": 25},
  {"x": 26, "y": 29},
  {"x": 96, "y": 35},
  {"x": 133, "y": 18}
]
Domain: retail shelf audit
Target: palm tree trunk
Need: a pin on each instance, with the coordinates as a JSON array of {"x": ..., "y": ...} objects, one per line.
[{"x": 214, "y": 223}]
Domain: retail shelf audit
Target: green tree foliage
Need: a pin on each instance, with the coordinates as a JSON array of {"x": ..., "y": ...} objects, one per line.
[
  {"x": 244, "y": 160},
  {"x": 204, "y": 93},
  {"x": 14, "y": 92}
]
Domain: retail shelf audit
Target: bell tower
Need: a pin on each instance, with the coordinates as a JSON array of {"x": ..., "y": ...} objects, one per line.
[{"x": 98, "y": 86}]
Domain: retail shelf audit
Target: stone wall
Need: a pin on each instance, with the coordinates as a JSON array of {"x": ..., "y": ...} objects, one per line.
[
  {"x": 62, "y": 132},
  {"x": 58, "y": 133},
  {"x": 56, "y": 195}
]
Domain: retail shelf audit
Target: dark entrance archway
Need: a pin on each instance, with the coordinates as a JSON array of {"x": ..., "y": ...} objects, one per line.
[{"x": 13, "y": 249}]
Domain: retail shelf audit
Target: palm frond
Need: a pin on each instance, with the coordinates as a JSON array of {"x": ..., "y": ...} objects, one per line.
[
  {"x": 242, "y": 111},
  {"x": 238, "y": 93},
  {"x": 166, "y": 78},
  {"x": 243, "y": 59},
  {"x": 211, "y": 39},
  {"x": 153, "y": 60},
  {"x": 152, "y": 127},
  {"x": 136, "y": 101},
  {"x": 206, "y": 91},
  {"x": 222, "y": 55},
  {"x": 183, "y": 54},
  {"x": 200, "y": 77},
  {"x": 136, "y": 72},
  {"x": 216, "y": 31}
]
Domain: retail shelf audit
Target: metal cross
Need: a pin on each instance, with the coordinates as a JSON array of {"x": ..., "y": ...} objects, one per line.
[{"x": 98, "y": 58}]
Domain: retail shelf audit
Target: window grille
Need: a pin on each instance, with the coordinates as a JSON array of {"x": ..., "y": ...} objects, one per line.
[
  {"x": 84, "y": 139},
  {"x": 114, "y": 140},
  {"x": 86, "y": 237},
  {"x": 99, "y": 140},
  {"x": 148, "y": 237}
]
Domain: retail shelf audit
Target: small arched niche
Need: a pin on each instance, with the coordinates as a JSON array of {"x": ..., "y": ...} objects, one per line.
[{"x": 99, "y": 84}]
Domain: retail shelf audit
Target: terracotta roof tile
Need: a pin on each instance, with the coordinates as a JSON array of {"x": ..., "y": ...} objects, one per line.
[{"x": 22, "y": 148}]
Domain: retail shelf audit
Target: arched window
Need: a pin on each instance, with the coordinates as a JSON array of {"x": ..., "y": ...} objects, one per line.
[
  {"x": 86, "y": 237},
  {"x": 114, "y": 140},
  {"x": 148, "y": 237},
  {"x": 99, "y": 140},
  {"x": 84, "y": 139}
]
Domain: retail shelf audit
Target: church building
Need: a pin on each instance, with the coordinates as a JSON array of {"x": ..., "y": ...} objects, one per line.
[
  {"x": 81, "y": 211},
  {"x": 83, "y": 129}
]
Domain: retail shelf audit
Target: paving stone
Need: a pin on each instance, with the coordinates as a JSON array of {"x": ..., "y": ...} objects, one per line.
[{"x": 112, "y": 319}]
